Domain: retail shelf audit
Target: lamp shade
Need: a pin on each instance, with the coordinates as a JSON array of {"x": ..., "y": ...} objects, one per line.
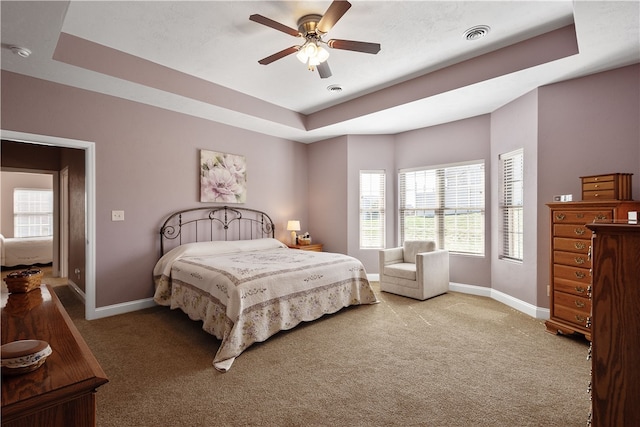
[{"x": 293, "y": 225}]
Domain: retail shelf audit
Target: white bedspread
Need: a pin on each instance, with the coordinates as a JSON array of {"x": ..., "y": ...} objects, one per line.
[
  {"x": 25, "y": 251},
  {"x": 246, "y": 291}
]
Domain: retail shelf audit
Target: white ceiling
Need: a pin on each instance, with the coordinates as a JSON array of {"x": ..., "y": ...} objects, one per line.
[{"x": 215, "y": 42}]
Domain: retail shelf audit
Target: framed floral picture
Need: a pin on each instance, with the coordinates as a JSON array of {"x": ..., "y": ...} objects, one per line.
[{"x": 223, "y": 177}]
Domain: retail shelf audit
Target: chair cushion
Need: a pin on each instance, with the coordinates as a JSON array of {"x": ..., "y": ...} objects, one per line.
[
  {"x": 403, "y": 270},
  {"x": 413, "y": 247}
]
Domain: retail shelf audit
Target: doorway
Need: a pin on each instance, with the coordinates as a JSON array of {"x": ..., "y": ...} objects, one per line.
[{"x": 90, "y": 203}]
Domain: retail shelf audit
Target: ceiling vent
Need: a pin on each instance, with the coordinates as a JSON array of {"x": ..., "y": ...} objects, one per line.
[
  {"x": 477, "y": 32},
  {"x": 334, "y": 88}
]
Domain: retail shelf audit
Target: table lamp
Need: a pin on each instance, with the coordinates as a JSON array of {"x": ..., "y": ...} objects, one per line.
[{"x": 293, "y": 226}]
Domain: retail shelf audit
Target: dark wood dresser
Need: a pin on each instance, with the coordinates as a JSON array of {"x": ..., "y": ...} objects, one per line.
[
  {"x": 615, "y": 325},
  {"x": 62, "y": 391},
  {"x": 570, "y": 269}
]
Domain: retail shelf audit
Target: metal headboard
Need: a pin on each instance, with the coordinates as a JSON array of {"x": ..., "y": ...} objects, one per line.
[{"x": 208, "y": 224}]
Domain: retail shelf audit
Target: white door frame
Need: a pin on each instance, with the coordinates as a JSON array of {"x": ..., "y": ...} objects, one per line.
[{"x": 90, "y": 203}]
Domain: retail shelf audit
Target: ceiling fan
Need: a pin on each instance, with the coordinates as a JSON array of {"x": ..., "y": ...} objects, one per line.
[{"x": 311, "y": 28}]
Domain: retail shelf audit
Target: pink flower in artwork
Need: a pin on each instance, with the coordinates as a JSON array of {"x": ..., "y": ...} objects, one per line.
[{"x": 222, "y": 178}]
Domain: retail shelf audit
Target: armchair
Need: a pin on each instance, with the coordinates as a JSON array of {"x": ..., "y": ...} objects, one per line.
[{"x": 417, "y": 270}]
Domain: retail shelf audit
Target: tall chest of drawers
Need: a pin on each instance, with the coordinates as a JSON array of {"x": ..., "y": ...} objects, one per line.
[
  {"x": 570, "y": 269},
  {"x": 615, "y": 325}
]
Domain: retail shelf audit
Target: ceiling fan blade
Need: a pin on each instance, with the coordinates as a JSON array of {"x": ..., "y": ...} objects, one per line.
[
  {"x": 288, "y": 51},
  {"x": 364, "y": 47},
  {"x": 332, "y": 15},
  {"x": 273, "y": 24},
  {"x": 324, "y": 70}
]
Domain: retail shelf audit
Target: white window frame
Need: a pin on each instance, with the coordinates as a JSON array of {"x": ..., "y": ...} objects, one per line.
[
  {"x": 512, "y": 205},
  {"x": 32, "y": 212},
  {"x": 372, "y": 209},
  {"x": 444, "y": 203}
]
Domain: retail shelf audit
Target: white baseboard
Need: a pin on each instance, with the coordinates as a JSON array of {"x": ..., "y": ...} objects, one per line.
[
  {"x": 125, "y": 307},
  {"x": 115, "y": 309},
  {"x": 516, "y": 304}
]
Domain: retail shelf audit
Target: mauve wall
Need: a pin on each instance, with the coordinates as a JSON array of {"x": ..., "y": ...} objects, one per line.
[
  {"x": 586, "y": 126},
  {"x": 327, "y": 194},
  {"x": 147, "y": 165},
  {"x": 515, "y": 126},
  {"x": 455, "y": 142}
]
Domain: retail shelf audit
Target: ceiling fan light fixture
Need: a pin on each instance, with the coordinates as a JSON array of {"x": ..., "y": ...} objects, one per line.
[
  {"x": 312, "y": 54},
  {"x": 323, "y": 54}
]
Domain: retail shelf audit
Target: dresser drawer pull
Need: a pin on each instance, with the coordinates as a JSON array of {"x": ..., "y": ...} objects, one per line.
[
  {"x": 600, "y": 217},
  {"x": 579, "y": 289},
  {"x": 581, "y": 319},
  {"x": 580, "y": 245},
  {"x": 579, "y": 304},
  {"x": 579, "y": 260},
  {"x": 588, "y": 322},
  {"x": 579, "y": 215},
  {"x": 579, "y": 275},
  {"x": 579, "y": 231},
  {"x": 560, "y": 216}
]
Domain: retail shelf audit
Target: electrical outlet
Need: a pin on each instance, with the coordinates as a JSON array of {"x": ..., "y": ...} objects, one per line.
[{"x": 117, "y": 215}]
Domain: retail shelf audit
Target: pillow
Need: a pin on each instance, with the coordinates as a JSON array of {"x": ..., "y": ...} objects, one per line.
[{"x": 195, "y": 249}]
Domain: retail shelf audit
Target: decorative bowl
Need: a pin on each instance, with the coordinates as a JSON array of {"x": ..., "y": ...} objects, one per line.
[{"x": 20, "y": 357}]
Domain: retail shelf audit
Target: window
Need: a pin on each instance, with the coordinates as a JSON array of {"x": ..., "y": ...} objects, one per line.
[
  {"x": 32, "y": 212},
  {"x": 445, "y": 204},
  {"x": 372, "y": 209},
  {"x": 511, "y": 204}
]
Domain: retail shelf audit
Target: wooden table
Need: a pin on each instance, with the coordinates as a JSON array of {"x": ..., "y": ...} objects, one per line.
[{"x": 62, "y": 391}]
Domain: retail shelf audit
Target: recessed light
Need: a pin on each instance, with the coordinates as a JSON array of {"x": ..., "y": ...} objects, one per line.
[
  {"x": 477, "y": 32},
  {"x": 20, "y": 51},
  {"x": 334, "y": 88}
]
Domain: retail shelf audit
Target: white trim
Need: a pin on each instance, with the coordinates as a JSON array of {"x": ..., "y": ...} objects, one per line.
[
  {"x": 522, "y": 306},
  {"x": 125, "y": 307},
  {"x": 90, "y": 208}
]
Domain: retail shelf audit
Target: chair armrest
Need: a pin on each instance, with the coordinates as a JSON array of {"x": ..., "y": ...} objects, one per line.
[
  {"x": 435, "y": 262},
  {"x": 391, "y": 256}
]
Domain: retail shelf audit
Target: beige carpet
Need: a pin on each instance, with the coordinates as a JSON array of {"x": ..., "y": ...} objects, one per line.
[{"x": 455, "y": 360}]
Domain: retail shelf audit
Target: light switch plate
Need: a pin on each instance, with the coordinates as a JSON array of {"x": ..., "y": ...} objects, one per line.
[{"x": 117, "y": 215}]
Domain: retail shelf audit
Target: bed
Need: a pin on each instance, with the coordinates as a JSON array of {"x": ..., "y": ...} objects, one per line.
[
  {"x": 223, "y": 266},
  {"x": 25, "y": 251}
]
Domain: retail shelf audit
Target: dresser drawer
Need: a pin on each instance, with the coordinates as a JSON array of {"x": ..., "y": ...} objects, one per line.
[
  {"x": 576, "y": 317},
  {"x": 572, "y": 302},
  {"x": 572, "y": 280},
  {"x": 580, "y": 217},
  {"x": 599, "y": 195},
  {"x": 571, "y": 245},
  {"x": 571, "y": 259},
  {"x": 572, "y": 230},
  {"x": 599, "y": 185}
]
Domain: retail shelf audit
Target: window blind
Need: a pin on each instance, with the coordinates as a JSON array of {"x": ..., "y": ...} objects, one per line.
[
  {"x": 445, "y": 204},
  {"x": 32, "y": 212},
  {"x": 512, "y": 204},
  {"x": 372, "y": 213}
]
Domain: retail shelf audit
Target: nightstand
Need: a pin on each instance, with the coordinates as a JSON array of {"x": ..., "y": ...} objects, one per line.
[{"x": 317, "y": 247}]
